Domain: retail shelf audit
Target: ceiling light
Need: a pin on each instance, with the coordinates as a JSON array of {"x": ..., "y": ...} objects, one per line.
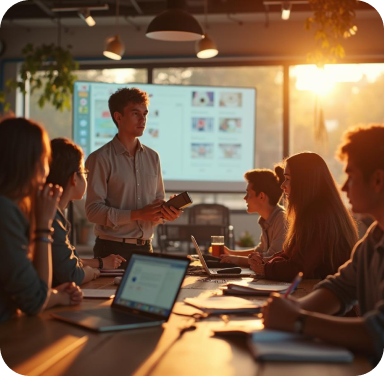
[
  {"x": 206, "y": 47},
  {"x": 83, "y": 12},
  {"x": 175, "y": 24},
  {"x": 115, "y": 47},
  {"x": 286, "y": 10},
  {"x": 86, "y": 16}
]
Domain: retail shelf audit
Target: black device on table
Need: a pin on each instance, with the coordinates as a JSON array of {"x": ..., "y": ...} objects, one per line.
[
  {"x": 180, "y": 201},
  {"x": 236, "y": 270},
  {"x": 215, "y": 262}
]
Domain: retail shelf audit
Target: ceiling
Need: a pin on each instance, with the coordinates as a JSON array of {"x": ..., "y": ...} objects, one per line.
[{"x": 39, "y": 12}]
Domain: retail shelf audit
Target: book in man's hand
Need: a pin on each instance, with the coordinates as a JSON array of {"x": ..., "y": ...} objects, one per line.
[{"x": 255, "y": 288}]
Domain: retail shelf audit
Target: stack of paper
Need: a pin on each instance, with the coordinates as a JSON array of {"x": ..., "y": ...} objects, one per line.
[
  {"x": 273, "y": 345},
  {"x": 255, "y": 288},
  {"x": 111, "y": 272},
  {"x": 225, "y": 305}
]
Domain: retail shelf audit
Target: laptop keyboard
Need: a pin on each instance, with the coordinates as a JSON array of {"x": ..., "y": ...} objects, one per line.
[{"x": 118, "y": 317}]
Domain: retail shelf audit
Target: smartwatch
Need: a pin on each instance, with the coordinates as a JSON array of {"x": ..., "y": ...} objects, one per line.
[
  {"x": 100, "y": 262},
  {"x": 298, "y": 326}
]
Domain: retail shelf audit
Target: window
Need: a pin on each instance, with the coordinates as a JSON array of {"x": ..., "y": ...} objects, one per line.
[{"x": 336, "y": 98}]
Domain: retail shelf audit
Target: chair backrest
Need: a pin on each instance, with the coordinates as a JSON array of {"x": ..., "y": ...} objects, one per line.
[
  {"x": 209, "y": 214},
  {"x": 182, "y": 233}
]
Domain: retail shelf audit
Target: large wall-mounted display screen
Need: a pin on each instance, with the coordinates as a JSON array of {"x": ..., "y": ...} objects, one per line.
[{"x": 205, "y": 135}]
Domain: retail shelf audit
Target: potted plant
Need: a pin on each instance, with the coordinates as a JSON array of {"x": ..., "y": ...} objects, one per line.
[
  {"x": 334, "y": 19},
  {"x": 49, "y": 67},
  {"x": 246, "y": 240}
]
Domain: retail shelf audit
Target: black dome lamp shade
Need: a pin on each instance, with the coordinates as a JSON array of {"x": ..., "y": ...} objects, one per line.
[{"x": 175, "y": 24}]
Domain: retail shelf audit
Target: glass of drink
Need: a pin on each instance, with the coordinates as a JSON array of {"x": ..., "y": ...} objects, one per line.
[{"x": 217, "y": 245}]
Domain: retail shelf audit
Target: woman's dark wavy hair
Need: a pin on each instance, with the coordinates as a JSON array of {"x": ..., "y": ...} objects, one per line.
[
  {"x": 66, "y": 159},
  {"x": 23, "y": 144}
]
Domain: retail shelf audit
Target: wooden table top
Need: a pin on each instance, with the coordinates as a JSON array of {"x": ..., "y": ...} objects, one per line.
[{"x": 44, "y": 346}]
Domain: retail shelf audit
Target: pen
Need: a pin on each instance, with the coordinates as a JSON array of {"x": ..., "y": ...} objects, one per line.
[{"x": 294, "y": 284}]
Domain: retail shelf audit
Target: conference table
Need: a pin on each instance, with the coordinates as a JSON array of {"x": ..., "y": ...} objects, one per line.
[{"x": 43, "y": 346}]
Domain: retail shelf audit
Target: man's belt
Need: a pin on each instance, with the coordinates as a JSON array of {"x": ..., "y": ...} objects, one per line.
[{"x": 126, "y": 240}]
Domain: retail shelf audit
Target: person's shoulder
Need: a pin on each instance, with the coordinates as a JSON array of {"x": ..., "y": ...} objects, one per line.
[
  {"x": 280, "y": 211},
  {"x": 101, "y": 151},
  {"x": 6, "y": 203},
  {"x": 101, "y": 155},
  {"x": 150, "y": 151},
  {"x": 9, "y": 209}
]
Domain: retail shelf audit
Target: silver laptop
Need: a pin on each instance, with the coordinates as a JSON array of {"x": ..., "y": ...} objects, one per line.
[
  {"x": 212, "y": 272},
  {"x": 145, "y": 297}
]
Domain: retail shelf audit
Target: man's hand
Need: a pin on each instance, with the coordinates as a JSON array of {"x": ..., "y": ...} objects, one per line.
[
  {"x": 170, "y": 213},
  {"x": 150, "y": 213},
  {"x": 281, "y": 313}
]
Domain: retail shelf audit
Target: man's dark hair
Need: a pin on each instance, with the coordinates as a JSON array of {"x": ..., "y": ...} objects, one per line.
[
  {"x": 365, "y": 146},
  {"x": 66, "y": 159},
  {"x": 267, "y": 181},
  {"x": 122, "y": 97}
]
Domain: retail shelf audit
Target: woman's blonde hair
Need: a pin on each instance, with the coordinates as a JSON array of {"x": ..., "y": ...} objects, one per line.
[{"x": 316, "y": 211}]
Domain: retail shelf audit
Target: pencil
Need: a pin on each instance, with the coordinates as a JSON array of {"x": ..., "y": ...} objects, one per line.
[{"x": 293, "y": 285}]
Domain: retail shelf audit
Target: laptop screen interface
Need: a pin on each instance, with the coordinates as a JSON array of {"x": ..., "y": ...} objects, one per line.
[{"x": 150, "y": 284}]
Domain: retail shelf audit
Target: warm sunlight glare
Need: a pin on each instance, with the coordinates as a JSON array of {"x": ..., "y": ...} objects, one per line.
[{"x": 322, "y": 81}]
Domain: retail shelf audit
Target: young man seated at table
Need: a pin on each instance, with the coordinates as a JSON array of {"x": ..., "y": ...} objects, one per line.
[
  {"x": 361, "y": 279},
  {"x": 263, "y": 195}
]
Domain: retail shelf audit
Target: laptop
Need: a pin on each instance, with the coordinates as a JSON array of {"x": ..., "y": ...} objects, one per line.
[
  {"x": 145, "y": 297},
  {"x": 212, "y": 272}
]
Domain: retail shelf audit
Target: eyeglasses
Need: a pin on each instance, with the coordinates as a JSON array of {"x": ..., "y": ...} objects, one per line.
[{"x": 84, "y": 172}]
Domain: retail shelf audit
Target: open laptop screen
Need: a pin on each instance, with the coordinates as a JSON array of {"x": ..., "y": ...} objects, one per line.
[{"x": 150, "y": 284}]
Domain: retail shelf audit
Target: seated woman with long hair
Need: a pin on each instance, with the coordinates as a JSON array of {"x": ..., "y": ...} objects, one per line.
[
  {"x": 27, "y": 209},
  {"x": 321, "y": 232},
  {"x": 67, "y": 170}
]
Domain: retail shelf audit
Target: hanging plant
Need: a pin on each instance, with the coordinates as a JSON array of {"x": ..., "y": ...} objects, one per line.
[
  {"x": 50, "y": 68},
  {"x": 334, "y": 20}
]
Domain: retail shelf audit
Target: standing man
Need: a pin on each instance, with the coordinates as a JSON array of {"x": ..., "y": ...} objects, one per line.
[
  {"x": 361, "y": 279},
  {"x": 125, "y": 189}
]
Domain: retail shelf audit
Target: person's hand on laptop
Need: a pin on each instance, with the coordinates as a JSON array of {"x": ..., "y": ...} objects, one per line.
[
  {"x": 229, "y": 259},
  {"x": 113, "y": 261},
  {"x": 227, "y": 251}
]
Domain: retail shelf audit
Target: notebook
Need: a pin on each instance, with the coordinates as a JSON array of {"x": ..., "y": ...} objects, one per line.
[
  {"x": 253, "y": 288},
  {"x": 145, "y": 297},
  {"x": 212, "y": 272},
  {"x": 273, "y": 345}
]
